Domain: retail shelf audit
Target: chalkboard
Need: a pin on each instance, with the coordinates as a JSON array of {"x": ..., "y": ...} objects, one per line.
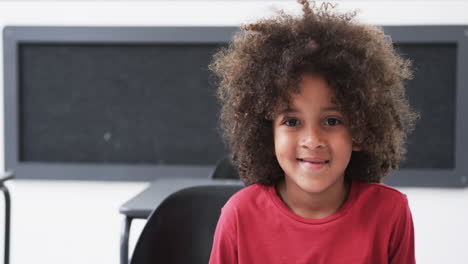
[
  {"x": 118, "y": 104},
  {"x": 156, "y": 104},
  {"x": 138, "y": 103},
  {"x": 432, "y": 93}
]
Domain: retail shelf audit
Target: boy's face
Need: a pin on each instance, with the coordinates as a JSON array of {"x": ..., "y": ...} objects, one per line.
[{"x": 313, "y": 142}]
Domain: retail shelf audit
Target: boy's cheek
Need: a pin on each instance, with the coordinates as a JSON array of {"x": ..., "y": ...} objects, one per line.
[{"x": 283, "y": 141}]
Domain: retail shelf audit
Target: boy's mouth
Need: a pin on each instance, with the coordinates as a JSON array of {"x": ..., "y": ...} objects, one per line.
[{"x": 314, "y": 160}]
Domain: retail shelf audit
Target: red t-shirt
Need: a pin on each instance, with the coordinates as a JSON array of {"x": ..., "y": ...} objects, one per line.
[{"x": 373, "y": 226}]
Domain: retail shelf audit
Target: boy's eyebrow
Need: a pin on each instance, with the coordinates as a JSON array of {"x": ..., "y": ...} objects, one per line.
[{"x": 289, "y": 110}]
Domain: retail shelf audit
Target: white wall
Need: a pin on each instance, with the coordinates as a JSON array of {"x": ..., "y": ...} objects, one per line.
[{"x": 78, "y": 222}]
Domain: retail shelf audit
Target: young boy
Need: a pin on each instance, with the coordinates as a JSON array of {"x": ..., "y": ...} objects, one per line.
[{"x": 314, "y": 111}]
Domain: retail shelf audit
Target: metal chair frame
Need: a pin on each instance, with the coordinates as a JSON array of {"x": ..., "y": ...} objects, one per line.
[{"x": 5, "y": 177}]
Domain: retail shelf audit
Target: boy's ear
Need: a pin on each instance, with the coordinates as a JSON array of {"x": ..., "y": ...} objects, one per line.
[{"x": 356, "y": 147}]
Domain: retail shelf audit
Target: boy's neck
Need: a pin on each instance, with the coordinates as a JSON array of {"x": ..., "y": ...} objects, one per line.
[{"x": 314, "y": 206}]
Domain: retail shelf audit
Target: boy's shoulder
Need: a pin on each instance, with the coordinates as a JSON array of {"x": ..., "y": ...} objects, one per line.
[
  {"x": 247, "y": 196},
  {"x": 380, "y": 192}
]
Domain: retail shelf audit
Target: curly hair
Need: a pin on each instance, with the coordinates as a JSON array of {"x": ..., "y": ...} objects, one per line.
[{"x": 260, "y": 69}]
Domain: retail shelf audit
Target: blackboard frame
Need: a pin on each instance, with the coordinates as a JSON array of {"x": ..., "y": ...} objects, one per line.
[{"x": 13, "y": 36}]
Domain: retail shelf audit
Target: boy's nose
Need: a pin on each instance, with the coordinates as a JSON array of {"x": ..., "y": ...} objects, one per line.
[{"x": 312, "y": 138}]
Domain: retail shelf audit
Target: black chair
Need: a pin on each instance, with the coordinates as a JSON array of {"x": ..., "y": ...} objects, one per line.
[
  {"x": 181, "y": 229},
  {"x": 224, "y": 169}
]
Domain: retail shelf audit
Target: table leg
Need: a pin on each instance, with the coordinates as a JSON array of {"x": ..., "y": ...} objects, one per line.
[{"x": 124, "y": 235}]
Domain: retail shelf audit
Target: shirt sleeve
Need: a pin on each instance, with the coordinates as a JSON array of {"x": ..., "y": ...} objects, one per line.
[
  {"x": 402, "y": 239},
  {"x": 224, "y": 249}
]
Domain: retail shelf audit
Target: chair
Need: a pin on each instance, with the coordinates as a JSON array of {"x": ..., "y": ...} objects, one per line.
[
  {"x": 224, "y": 169},
  {"x": 181, "y": 228},
  {"x": 3, "y": 178}
]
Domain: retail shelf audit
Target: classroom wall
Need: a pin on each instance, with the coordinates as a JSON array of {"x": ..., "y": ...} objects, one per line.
[{"x": 78, "y": 222}]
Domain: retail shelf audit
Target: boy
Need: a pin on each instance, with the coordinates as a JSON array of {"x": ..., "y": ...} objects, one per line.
[{"x": 314, "y": 111}]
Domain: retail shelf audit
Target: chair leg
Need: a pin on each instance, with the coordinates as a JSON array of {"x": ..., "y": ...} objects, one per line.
[
  {"x": 7, "y": 223},
  {"x": 124, "y": 236}
]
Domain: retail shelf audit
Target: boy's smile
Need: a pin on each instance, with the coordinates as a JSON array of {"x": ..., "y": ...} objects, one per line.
[
  {"x": 313, "y": 163},
  {"x": 313, "y": 144}
]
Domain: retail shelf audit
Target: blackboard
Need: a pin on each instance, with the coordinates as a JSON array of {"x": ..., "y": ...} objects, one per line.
[
  {"x": 118, "y": 104},
  {"x": 432, "y": 93},
  {"x": 156, "y": 104},
  {"x": 138, "y": 103}
]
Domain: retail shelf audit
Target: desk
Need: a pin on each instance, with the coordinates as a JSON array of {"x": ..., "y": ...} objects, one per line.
[{"x": 143, "y": 204}]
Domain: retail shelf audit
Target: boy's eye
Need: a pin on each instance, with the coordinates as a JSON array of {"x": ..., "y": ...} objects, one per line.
[
  {"x": 291, "y": 122},
  {"x": 332, "y": 121}
]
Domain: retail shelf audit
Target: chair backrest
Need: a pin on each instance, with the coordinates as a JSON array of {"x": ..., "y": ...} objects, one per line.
[
  {"x": 181, "y": 229},
  {"x": 224, "y": 169}
]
